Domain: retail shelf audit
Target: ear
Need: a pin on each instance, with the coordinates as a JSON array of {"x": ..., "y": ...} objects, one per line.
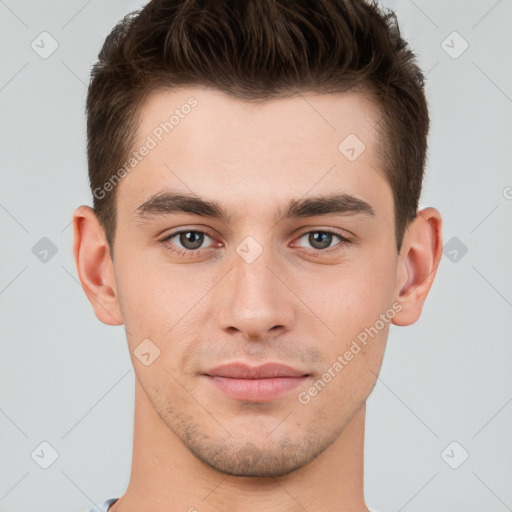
[
  {"x": 95, "y": 269},
  {"x": 421, "y": 253}
]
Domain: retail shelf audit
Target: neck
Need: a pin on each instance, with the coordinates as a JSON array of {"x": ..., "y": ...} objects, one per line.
[{"x": 166, "y": 476}]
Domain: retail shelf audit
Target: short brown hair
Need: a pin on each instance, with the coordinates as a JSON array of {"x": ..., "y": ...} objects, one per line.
[{"x": 259, "y": 49}]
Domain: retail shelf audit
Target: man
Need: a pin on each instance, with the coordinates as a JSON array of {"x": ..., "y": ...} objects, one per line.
[{"x": 256, "y": 168}]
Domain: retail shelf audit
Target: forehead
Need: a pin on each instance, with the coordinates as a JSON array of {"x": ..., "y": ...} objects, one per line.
[
  {"x": 214, "y": 116},
  {"x": 256, "y": 154}
]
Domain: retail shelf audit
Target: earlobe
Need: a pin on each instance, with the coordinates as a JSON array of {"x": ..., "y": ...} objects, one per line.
[
  {"x": 94, "y": 266},
  {"x": 422, "y": 251}
]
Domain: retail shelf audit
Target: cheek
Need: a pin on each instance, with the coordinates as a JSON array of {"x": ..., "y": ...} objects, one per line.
[
  {"x": 164, "y": 306},
  {"x": 154, "y": 297},
  {"x": 356, "y": 304},
  {"x": 347, "y": 379},
  {"x": 352, "y": 297}
]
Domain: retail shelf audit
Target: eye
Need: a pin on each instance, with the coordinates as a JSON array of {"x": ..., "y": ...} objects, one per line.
[
  {"x": 191, "y": 239},
  {"x": 322, "y": 240},
  {"x": 187, "y": 242}
]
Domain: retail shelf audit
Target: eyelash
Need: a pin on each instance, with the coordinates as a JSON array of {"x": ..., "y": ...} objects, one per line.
[{"x": 190, "y": 253}]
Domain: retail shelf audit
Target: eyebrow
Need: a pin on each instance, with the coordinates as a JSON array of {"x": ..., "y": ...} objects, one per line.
[{"x": 170, "y": 202}]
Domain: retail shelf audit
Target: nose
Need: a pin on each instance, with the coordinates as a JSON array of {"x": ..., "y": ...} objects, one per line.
[{"x": 253, "y": 300}]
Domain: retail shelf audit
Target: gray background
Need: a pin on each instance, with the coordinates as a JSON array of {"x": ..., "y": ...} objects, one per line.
[{"x": 67, "y": 379}]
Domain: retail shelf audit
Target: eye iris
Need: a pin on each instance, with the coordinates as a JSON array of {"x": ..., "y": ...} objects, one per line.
[
  {"x": 191, "y": 239},
  {"x": 320, "y": 239}
]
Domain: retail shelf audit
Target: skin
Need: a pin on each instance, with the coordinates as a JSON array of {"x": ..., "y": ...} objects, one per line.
[{"x": 195, "y": 448}]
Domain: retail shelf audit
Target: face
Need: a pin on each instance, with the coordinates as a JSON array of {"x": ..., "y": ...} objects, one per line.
[{"x": 282, "y": 265}]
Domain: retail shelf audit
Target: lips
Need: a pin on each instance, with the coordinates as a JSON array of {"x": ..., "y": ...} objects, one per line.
[
  {"x": 265, "y": 371},
  {"x": 255, "y": 383}
]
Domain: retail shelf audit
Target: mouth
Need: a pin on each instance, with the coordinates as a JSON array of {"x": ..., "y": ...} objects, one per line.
[{"x": 255, "y": 383}]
